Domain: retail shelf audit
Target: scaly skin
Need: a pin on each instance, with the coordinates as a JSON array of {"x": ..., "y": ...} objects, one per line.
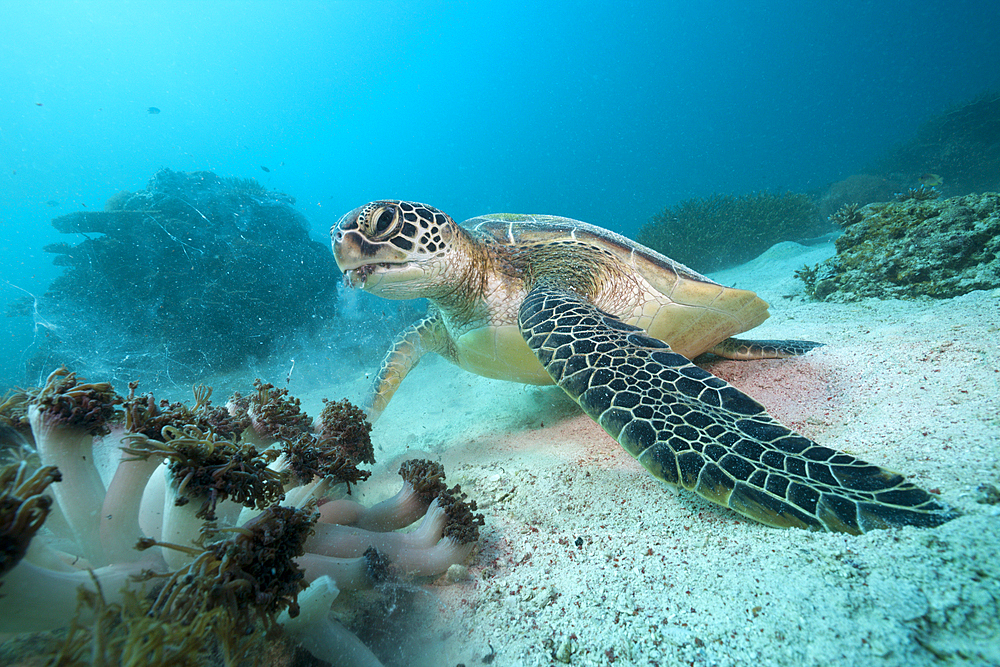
[
  {"x": 690, "y": 428},
  {"x": 543, "y": 299}
]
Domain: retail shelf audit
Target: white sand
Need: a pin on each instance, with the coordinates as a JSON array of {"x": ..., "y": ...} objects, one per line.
[{"x": 587, "y": 558}]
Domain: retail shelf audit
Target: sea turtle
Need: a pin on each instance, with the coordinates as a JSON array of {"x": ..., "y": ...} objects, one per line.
[{"x": 543, "y": 299}]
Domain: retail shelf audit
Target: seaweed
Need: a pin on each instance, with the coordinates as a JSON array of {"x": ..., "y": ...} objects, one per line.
[{"x": 724, "y": 230}]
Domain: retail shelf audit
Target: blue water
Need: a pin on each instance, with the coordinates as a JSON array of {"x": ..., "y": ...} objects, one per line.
[{"x": 601, "y": 111}]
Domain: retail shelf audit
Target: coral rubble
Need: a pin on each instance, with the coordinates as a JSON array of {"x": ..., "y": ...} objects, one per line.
[{"x": 932, "y": 247}]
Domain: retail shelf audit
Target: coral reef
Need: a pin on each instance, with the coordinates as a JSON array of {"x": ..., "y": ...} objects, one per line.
[
  {"x": 918, "y": 246},
  {"x": 954, "y": 153},
  {"x": 238, "y": 540},
  {"x": 724, "y": 230},
  {"x": 859, "y": 189},
  {"x": 919, "y": 193},
  {"x": 847, "y": 215},
  {"x": 962, "y": 144},
  {"x": 191, "y": 276}
]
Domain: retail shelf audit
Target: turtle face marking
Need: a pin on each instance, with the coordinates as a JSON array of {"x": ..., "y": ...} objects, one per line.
[{"x": 394, "y": 249}]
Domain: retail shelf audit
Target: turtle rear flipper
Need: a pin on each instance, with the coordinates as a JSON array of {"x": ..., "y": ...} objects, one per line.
[
  {"x": 738, "y": 348},
  {"x": 688, "y": 427}
]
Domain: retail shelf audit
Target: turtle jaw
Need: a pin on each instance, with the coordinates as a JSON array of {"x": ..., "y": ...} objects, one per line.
[
  {"x": 369, "y": 276},
  {"x": 365, "y": 264},
  {"x": 387, "y": 279}
]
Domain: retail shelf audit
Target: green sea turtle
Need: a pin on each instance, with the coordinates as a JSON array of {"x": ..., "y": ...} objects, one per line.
[{"x": 543, "y": 299}]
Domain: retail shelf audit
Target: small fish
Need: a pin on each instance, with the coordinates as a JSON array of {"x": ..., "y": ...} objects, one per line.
[
  {"x": 38, "y": 104},
  {"x": 52, "y": 202},
  {"x": 265, "y": 169},
  {"x": 930, "y": 180},
  {"x": 153, "y": 110}
]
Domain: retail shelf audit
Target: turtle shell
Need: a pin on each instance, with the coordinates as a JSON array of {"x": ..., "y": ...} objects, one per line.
[{"x": 680, "y": 306}]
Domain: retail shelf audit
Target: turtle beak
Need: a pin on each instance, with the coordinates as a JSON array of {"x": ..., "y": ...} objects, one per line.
[
  {"x": 348, "y": 242},
  {"x": 357, "y": 278},
  {"x": 354, "y": 268},
  {"x": 351, "y": 249},
  {"x": 345, "y": 253},
  {"x": 361, "y": 261}
]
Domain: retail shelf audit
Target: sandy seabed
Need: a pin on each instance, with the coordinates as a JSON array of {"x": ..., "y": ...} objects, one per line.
[{"x": 587, "y": 560}]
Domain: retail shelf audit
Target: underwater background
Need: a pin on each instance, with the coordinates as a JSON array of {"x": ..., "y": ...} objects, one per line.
[
  {"x": 170, "y": 171},
  {"x": 605, "y": 113}
]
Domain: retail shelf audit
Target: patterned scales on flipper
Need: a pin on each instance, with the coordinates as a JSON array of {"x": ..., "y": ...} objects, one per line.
[
  {"x": 688, "y": 427},
  {"x": 739, "y": 348}
]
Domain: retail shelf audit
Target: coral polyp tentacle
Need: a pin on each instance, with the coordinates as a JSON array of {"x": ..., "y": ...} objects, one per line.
[{"x": 221, "y": 579}]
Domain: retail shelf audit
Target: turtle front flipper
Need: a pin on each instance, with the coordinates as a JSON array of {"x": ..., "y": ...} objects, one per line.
[
  {"x": 688, "y": 427},
  {"x": 411, "y": 344}
]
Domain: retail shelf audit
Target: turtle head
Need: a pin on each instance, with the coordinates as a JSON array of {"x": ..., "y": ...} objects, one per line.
[{"x": 394, "y": 249}]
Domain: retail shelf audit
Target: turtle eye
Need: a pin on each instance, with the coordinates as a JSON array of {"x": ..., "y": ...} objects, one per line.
[{"x": 383, "y": 222}]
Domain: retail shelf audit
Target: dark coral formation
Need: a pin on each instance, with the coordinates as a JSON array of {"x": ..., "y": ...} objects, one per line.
[
  {"x": 225, "y": 602},
  {"x": 68, "y": 400},
  {"x": 859, "y": 189},
  {"x": 252, "y": 575},
  {"x": 937, "y": 248},
  {"x": 23, "y": 509},
  {"x": 273, "y": 413},
  {"x": 463, "y": 522},
  {"x": 145, "y": 416},
  {"x": 962, "y": 145},
  {"x": 212, "y": 469},
  {"x": 193, "y": 275},
  {"x": 345, "y": 425},
  {"x": 956, "y": 152},
  {"x": 426, "y": 477},
  {"x": 310, "y": 456},
  {"x": 725, "y": 230}
]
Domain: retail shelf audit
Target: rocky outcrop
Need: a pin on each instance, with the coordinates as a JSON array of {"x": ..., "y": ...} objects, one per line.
[{"x": 937, "y": 248}]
